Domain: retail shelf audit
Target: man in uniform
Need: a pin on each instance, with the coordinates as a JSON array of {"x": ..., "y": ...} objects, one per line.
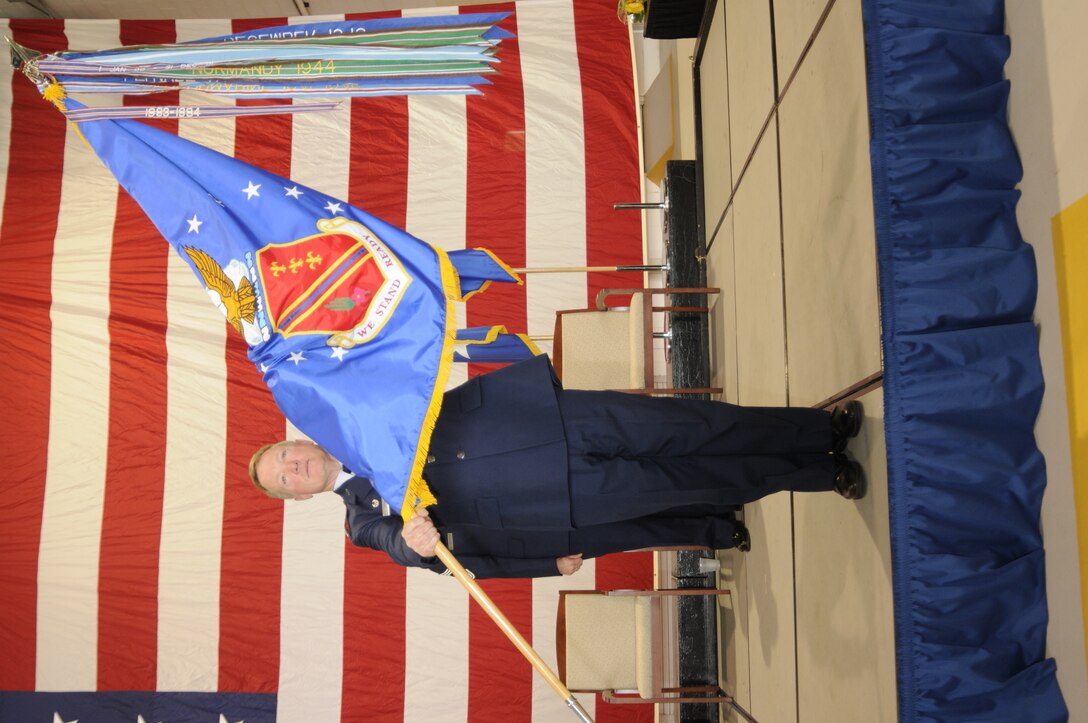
[{"x": 531, "y": 478}]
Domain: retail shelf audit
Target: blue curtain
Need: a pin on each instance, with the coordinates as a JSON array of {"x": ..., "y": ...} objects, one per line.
[{"x": 962, "y": 380}]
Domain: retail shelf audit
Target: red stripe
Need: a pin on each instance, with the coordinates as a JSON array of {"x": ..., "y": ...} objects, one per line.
[
  {"x": 378, "y": 169},
  {"x": 500, "y": 680},
  {"x": 612, "y": 237},
  {"x": 495, "y": 216},
  {"x": 374, "y": 638},
  {"x": 128, "y": 570},
  {"x": 611, "y": 142},
  {"x": 249, "y": 605},
  {"x": 374, "y": 587},
  {"x": 31, "y": 207}
]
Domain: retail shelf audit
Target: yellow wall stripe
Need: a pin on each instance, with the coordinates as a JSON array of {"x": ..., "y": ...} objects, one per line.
[{"x": 1070, "y": 231}]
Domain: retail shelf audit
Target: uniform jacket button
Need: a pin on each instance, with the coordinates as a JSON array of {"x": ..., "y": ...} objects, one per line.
[
  {"x": 460, "y": 455},
  {"x": 374, "y": 503},
  {"x": 430, "y": 458}
]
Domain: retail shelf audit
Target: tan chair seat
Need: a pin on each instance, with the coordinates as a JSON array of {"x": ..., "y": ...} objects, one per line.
[
  {"x": 611, "y": 642},
  {"x": 601, "y": 651},
  {"x": 597, "y": 352},
  {"x": 612, "y": 347}
]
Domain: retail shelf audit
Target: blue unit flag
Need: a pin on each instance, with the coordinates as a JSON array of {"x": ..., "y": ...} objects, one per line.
[{"x": 348, "y": 318}]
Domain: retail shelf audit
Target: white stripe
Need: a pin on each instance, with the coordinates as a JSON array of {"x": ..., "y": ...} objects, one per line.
[
  {"x": 311, "y": 607},
  {"x": 437, "y": 174},
  {"x": 437, "y": 168},
  {"x": 321, "y": 149},
  {"x": 436, "y": 648},
  {"x": 547, "y": 706},
  {"x": 192, "y": 515},
  {"x": 437, "y": 181},
  {"x": 555, "y": 236},
  {"x": 311, "y": 610},
  {"x": 217, "y": 134},
  {"x": 436, "y": 608},
  {"x": 555, "y": 177},
  {"x": 67, "y": 639},
  {"x": 312, "y": 575}
]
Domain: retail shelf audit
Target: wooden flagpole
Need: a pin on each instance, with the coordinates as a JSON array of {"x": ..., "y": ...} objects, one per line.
[{"x": 509, "y": 630}]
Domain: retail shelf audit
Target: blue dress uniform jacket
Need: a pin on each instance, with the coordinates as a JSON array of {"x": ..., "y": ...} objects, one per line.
[
  {"x": 489, "y": 471},
  {"x": 498, "y": 455}
]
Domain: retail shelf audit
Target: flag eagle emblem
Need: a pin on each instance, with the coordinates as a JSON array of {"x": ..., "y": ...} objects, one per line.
[{"x": 237, "y": 301}]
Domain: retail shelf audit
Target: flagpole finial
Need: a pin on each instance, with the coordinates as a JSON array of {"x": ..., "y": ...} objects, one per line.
[
  {"x": 22, "y": 58},
  {"x": 25, "y": 60}
]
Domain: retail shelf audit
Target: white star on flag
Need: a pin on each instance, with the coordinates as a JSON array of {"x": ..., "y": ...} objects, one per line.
[
  {"x": 339, "y": 353},
  {"x": 296, "y": 357},
  {"x": 293, "y": 191},
  {"x": 333, "y": 207},
  {"x": 58, "y": 719},
  {"x": 251, "y": 190},
  {"x": 194, "y": 224}
]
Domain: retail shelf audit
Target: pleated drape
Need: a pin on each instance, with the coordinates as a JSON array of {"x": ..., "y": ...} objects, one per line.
[{"x": 963, "y": 382}]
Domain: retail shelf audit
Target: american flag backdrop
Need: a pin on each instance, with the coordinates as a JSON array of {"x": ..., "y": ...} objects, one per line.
[{"x": 138, "y": 565}]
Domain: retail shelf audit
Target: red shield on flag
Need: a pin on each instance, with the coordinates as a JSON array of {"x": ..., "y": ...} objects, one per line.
[{"x": 321, "y": 284}]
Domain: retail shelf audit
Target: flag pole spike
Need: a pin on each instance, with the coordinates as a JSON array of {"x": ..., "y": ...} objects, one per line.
[
  {"x": 22, "y": 57},
  {"x": 509, "y": 630}
]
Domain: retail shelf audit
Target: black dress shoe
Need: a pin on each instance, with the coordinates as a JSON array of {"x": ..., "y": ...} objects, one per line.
[
  {"x": 849, "y": 478},
  {"x": 845, "y": 423},
  {"x": 741, "y": 539}
]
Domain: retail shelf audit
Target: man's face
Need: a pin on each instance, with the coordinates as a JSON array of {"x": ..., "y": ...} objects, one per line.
[{"x": 298, "y": 469}]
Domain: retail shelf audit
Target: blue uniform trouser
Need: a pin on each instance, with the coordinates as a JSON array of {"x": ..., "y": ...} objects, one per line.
[{"x": 632, "y": 456}]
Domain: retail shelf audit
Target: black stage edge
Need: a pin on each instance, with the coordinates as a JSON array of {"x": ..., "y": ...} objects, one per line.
[
  {"x": 673, "y": 18},
  {"x": 685, "y": 252},
  {"x": 690, "y": 355},
  {"x": 698, "y": 634}
]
